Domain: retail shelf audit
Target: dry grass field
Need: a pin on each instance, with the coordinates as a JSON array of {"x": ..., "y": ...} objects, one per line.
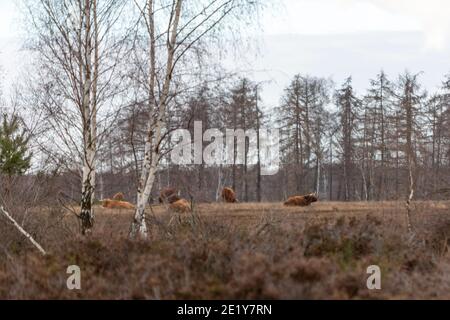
[{"x": 235, "y": 251}]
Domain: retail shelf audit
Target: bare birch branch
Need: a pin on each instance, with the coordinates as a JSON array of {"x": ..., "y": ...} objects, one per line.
[{"x": 26, "y": 234}]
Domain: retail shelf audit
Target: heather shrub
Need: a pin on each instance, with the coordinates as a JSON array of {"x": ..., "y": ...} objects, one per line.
[{"x": 225, "y": 254}]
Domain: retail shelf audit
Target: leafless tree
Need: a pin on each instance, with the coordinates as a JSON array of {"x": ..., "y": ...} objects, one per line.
[
  {"x": 173, "y": 30},
  {"x": 410, "y": 102},
  {"x": 379, "y": 106},
  {"x": 301, "y": 118},
  {"x": 77, "y": 48},
  {"x": 348, "y": 105}
]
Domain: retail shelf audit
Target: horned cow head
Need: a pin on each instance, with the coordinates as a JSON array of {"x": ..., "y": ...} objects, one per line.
[{"x": 312, "y": 197}]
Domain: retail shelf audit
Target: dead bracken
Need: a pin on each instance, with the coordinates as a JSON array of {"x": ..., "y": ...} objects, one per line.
[{"x": 233, "y": 251}]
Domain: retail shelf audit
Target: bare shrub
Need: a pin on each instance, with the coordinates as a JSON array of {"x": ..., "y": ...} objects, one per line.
[{"x": 222, "y": 254}]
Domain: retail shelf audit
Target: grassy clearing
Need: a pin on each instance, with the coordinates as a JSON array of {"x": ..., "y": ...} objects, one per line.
[{"x": 262, "y": 251}]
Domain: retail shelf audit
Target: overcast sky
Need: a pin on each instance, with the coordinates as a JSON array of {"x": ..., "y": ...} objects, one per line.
[{"x": 329, "y": 38}]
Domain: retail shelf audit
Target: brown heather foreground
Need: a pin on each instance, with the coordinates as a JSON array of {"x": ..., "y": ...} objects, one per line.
[{"x": 235, "y": 251}]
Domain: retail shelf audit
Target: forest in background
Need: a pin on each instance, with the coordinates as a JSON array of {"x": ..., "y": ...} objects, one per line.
[
  {"x": 109, "y": 81},
  {"x": 341, "y": 144}
]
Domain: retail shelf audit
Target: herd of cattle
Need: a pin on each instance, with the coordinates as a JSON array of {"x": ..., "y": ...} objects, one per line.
[{"x": 171, "y": 197}]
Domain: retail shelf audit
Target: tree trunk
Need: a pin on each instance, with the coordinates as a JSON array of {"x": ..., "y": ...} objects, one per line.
[
  {"x": 331, "y": 170},
  {"x": 154, "y": 133},
  {"x": 258, "y": 145},
  {"x": 89, "y": 131},
  {"x": 87, "y": 193},
  {"x": 317, "y": 184}
]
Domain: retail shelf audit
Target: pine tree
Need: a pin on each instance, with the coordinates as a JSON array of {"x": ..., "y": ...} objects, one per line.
[
  {"x": 379, "y": 105},
  {"x": 241, "y": 115},
  {"x": 301, "y": 119},
  {"x": 15, "y": 158},
  {"x": 348, "y": 106}
]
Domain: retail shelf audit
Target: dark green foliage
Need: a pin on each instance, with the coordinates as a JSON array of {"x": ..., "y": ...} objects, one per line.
[{"x": 15, "y": 156}]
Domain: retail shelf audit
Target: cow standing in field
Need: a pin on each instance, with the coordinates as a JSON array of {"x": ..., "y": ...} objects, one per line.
[
  {"x": 229, "y": 196},
  {"x": 169, "y": 195},
  {"x": 301, "y": 201}
]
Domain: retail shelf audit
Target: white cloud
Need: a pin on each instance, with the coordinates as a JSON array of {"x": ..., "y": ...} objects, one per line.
[
  {"x": 335, "y": 17},
  {"x": 358, "y": 16},
  {"x": 432, "y": 15}
]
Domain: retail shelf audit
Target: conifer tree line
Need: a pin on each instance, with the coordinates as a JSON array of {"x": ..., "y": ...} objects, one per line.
[
  {"x": 344, "y": 145},
  {"x": 111, "y": 80}
]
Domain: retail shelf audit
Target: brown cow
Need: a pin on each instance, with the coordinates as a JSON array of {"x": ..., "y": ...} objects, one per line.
[
  {"x": 180, "y": 206},
  {"x": 119, "y": 196},
  {"x": 301, "y": 201},
  {"x": 229, "y": 196},
  {"x": 169, "y": 195},
  {"x": 115, "y": 204}
]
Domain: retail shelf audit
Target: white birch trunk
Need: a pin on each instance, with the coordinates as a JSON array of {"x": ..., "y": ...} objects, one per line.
[
  {"x": 219, "y": 183},
  {"x": 87, "y": 192},
  {"x": 318, "y": 178},
  {"x": 89, "y": 128},
  {"x": 139, "y": 224},
  {"x": 363, "y": 176},
  {"x": 22, "y": 230},
  {"x": 154, "y": 134},
  {"x": 411, "y": 196}
]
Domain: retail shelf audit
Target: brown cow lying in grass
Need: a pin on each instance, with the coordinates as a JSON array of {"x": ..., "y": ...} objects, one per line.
[
  {"x": 229, "y": 196},
  {"x": 180, "y": 206},
  {"x": 168, "y": 195},
  {"x": 115, "y": 204},
  {"x": 301, "y": 201}
]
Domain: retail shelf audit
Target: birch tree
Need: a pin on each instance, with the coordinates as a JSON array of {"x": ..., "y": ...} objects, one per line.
[
  {"x": 174, "y": 29},
  {"x": 77, "y": 52}
]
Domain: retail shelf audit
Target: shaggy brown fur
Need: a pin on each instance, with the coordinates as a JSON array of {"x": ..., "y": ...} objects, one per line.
[
  {"x": 228, "y": 195},
  {"x": 301, "y": 201},
  {"x": 168, "y": 195},
  {"x": 115, "y": 204},
  {"x": 119, "y": 196},
  {"x": 181, "y": 206}
]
